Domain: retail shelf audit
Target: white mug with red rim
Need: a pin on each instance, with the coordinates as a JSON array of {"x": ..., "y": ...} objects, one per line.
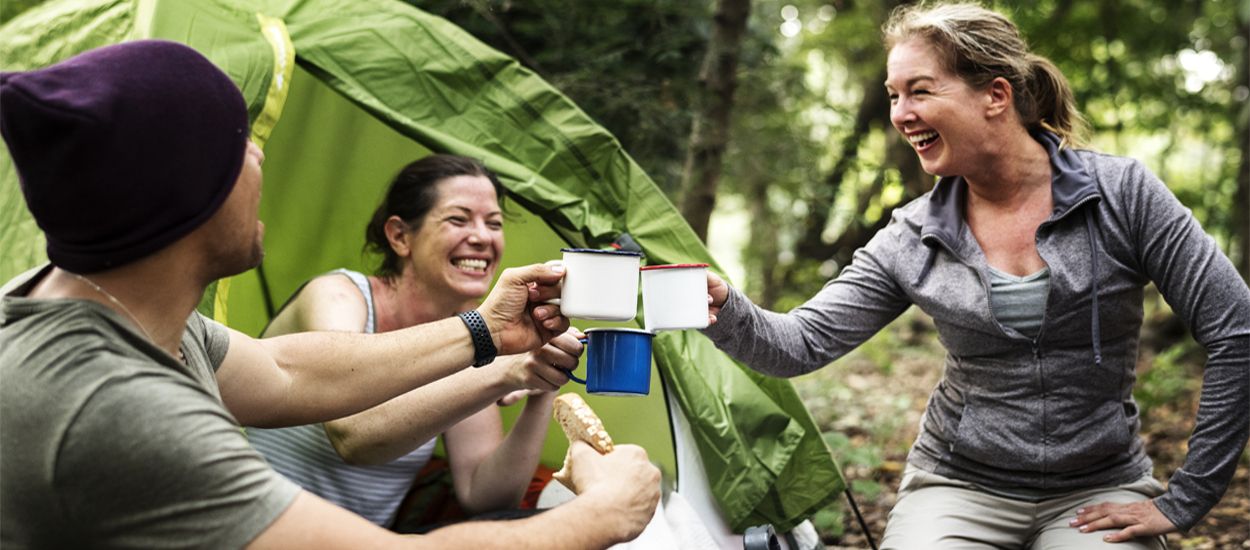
[{"x": 674, "y": 296}]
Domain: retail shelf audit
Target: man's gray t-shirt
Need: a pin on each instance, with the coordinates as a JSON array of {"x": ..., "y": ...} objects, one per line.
[{"x": 107, "y": 441}]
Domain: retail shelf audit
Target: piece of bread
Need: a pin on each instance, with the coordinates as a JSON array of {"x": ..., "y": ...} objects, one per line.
[{"x": 579, "y": 422}]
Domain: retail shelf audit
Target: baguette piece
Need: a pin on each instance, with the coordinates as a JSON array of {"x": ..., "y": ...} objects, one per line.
[{"x": 578, "y": 421}]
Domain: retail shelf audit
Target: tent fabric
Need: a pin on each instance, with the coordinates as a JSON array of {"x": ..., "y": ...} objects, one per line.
[
  {"x": 53, "y": 32},
  {"x": 431, "y": 82},
  {"x": 314, "y": 214}
]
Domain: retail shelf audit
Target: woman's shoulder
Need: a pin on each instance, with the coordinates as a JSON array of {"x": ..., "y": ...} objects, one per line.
[
  {"x": 332, "y": 301},
  {"x": 339, "y": 284},
  {"x": 1111, "y": 169},
  {"x": 1125, "y": 180},
  {"x": 909, "y": 219}
]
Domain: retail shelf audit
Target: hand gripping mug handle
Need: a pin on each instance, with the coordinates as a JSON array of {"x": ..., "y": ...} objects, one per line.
[
  {"x": 555, "y": 301},
  {"x": 569, "y": 372}
]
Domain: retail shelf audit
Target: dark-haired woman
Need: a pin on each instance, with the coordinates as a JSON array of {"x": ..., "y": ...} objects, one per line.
[
  {"x": 440, "y": 234},
  {"x": 1031, "y": 256}
]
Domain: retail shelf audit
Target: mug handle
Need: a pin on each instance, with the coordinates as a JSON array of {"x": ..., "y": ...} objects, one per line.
[
  {"x": 573, "y": 377},
  {"x": 569, "y": 372},
  {"x": 555, "y": 301}
]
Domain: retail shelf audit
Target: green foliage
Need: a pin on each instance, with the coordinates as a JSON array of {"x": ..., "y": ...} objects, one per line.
[
  {"x": 850, "y": 455},
  {"x": 867, "y": 424},
  {"x": 1168, "y": 378},
  {"x": 628, "y": 63},
  {"x": 830, "y": 521},
  {"x": 880, "y": 351}
]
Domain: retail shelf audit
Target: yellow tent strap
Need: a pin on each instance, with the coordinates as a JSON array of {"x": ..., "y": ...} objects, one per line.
[{"x": 274, "y": 31}]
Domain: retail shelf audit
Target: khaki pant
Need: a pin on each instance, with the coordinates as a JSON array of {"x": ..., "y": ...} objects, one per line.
[{"x": 938, "y": 513}]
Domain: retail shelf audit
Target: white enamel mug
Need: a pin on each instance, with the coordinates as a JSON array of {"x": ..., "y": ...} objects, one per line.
[
  {"x": 674, "y": 297},
  {"x": 600, "y": 285}
]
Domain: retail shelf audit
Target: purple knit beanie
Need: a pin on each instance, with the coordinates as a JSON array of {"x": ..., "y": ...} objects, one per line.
[{"x": 124, "y": 149}]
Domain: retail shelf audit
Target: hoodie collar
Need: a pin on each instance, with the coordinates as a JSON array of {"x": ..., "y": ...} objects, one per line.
[{"x": 1071, "y": 184}]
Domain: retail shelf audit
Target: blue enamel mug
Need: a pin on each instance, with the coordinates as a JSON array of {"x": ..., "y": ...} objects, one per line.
[{"x": 618, "y": 361}]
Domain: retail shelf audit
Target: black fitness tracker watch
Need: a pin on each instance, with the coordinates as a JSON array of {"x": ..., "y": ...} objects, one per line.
[{"x": 483, "y": 347}]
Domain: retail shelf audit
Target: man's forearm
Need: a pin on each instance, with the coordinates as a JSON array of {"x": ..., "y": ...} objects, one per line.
[
  {"x": 330, "y": 375},
  {"x": 585, "y": 522}
]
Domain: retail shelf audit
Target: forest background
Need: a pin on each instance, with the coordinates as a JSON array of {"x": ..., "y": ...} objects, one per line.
[{"x": 767, "y": 123}]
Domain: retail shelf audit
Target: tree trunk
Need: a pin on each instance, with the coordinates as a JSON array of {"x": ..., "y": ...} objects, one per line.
[
  {"x": 916, "y": 182},
  {"x": 514, "y": 46},
  {"x": 710, "y": 132},
  {"x": 764, "y": 248},
  {"x": 873, "y": 110}
]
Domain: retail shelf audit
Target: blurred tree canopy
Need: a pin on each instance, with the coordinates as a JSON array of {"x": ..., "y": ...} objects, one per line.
[
  {"x": 630, "y": 64},
  {"x": 812, "y": 168}
]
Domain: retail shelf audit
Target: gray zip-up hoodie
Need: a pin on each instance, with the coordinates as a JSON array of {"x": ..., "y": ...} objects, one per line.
[{"x": 1054, "y": 412}]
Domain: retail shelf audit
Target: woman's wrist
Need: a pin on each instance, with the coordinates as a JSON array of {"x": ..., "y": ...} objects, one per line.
[
  {"x": 503, "y": 379},
  {"x": 540, "y": 402}
]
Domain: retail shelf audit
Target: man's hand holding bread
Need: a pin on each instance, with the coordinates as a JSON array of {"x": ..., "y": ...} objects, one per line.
[{"x": 595, "y": 468}]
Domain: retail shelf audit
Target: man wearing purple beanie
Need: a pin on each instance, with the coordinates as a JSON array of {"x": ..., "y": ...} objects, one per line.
[{"x": 120, "y": 405}]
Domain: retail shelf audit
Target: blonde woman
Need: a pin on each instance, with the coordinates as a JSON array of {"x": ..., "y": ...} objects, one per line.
[{"x": 1031, "y": 255}]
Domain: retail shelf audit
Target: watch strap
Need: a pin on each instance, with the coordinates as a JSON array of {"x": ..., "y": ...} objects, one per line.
[{"x": 484, "y": 350}]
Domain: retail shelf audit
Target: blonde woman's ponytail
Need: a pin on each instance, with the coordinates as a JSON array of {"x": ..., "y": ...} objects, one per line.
[
  {"x": 980, "y": 45},
  {"x": 1054, "y": 103}
]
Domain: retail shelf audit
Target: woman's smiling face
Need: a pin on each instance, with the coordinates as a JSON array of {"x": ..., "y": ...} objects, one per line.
[
  {"x": 936, "y": 111},
  {"x": 460, "y": 241}
]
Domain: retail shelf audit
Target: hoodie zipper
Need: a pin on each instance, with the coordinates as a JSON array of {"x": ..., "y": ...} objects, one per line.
[
  {"x": 1034, "y": 343},
  {"x": 1037, "y": 238}
]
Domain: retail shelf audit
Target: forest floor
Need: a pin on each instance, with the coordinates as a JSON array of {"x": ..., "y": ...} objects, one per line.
[{"x": 869, "y": 405}]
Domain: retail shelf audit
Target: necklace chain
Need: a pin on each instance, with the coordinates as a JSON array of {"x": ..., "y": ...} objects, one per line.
[
  {"x": 115, "y": 301},
  {"x": 123, "y": 307}
]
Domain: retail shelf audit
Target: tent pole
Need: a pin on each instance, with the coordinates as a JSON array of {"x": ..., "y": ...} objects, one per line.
[
  {"x": 862, "y": 525},
  {"x": 264, "y": 291}
]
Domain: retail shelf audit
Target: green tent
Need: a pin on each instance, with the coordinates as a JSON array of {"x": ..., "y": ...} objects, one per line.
[{"x": 342, "y": 93}]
